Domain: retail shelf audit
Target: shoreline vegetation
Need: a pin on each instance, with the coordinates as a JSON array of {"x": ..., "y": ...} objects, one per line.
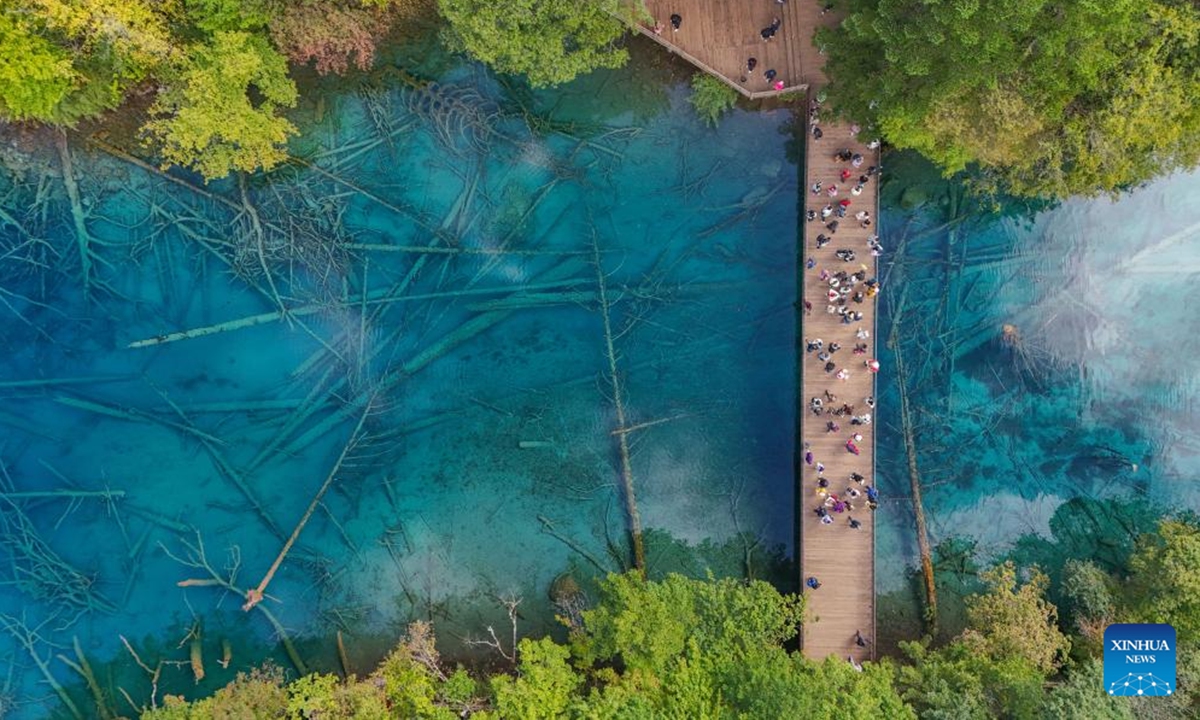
[
  {"x": 709, "y": 648},
  {"x": 1042, "y": 100},
  {"x": 1032, "y": 99}
]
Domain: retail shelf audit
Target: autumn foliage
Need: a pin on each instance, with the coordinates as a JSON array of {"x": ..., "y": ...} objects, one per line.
[{"x": 333, "y": 38}]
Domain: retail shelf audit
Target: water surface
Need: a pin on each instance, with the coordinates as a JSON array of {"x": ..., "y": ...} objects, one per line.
[{"x": 439, "y": 250}]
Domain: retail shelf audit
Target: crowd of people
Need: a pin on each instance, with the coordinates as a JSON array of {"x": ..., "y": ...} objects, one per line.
[{"x": 840, "y": 278}]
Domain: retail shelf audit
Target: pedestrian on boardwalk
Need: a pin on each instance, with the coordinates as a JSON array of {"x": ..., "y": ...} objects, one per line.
[
  {"x": 676, "y": 21},
  {"x": 768, "y": 33},
  {"x": 852, "y": 448},
  {"x": 855, "y": 524},
  {"x": 813, "y": 582},
  {"x": 859, "y": 640}
]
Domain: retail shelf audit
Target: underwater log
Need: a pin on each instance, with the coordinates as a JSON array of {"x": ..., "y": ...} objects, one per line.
[
  {"x": 255, "y": 595},
  {"x": 914, "y": 477},
  {"x": 631, "y": 508},
  {"x": 84, "y": 668},
  {"x": 82, "y": 238},
  {"x": 196, "y": 652}
]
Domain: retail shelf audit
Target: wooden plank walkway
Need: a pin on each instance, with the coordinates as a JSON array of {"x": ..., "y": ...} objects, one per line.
[
  {"x": 841, "y": 557},
  {"x": 720, "y": 36}
]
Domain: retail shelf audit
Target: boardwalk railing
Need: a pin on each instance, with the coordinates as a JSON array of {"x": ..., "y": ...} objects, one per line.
[{"x": 712, "y": 71}]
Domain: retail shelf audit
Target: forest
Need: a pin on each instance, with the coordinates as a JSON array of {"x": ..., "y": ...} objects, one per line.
[
  {"x": 677, "y": 647},
  {"x": 1039, "y": 98}
]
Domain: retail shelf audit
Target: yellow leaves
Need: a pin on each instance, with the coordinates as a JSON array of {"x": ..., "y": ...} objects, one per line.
[
  {"x": 131, "y": 27},
  {"x": 208, "y": 121},
  {"x": 34, "y": 75},
  {"x": 998, "y": 126}
]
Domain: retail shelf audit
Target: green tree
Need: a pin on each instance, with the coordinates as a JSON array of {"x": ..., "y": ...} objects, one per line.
[
  {"x": 1165, "y": 586},
  {"x": 958, "y": 683},
  {"x": 711, "y": 98},
  {"x": 1043, "y": 97},
  {"x": 258, "y": 694},
  {"x": 35, "y": 75},
  {"x": 1087, "y": 590},
  {"x": 544, "y": 684},
  {"x": 223, "y": 112},
  {"x": 548, "y": 41},
  {"x": 1082, "y": 697},
  {"x": 1016, "y": 621},
  {"x": 411, "y": 676},
  {"x": 218, "y": 15},
  {"x": 646, "y": 624}
]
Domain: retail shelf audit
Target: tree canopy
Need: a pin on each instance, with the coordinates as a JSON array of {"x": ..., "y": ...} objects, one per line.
[
  {"x": 219, "y": 66},
  {"x": 211, "y": 124},
  {"x": 548, "y": 41},
  {"x": 1165, "y": 585},
  {"x": 1042, "y": 97},
  {"x": 678, "y": 648},
  {"x": 719, "y": 649}
]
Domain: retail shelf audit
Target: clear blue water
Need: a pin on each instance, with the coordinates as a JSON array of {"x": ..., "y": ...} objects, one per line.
[
  {"x": 479, "y": 427},
  {"x": 1091, "y": 401},
  {"x": 483, "y": 378}
]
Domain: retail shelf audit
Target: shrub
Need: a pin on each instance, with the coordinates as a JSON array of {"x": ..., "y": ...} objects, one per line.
[{"x": 711, "y": 97}]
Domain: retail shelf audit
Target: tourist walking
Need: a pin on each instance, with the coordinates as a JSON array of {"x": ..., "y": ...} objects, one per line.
[{"x": 768, "y": 33}]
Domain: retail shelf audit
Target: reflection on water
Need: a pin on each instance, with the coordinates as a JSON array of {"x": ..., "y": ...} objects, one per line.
[
  {"x": 429, "y": 268},
  {"x": 1050, "y": 355}
]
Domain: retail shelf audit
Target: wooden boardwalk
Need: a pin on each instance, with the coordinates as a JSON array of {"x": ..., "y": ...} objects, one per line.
[
  {"x": 841, "y": 557},
  {"x": 720, "y": 36}
]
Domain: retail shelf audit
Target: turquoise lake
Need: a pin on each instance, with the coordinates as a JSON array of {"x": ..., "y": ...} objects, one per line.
[
  {"x": 456, "y": 322},
  {"x": 440, "y": 251}
]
